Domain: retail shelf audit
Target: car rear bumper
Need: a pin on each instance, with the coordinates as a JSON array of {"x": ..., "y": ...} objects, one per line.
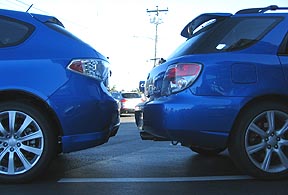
[
  {"x": 82, "y": 141},
  {"x": 88, "y": 115},
  {"x": 106, "y": 121},
  {"x": 127, "y": 110},
  {"x": 196, "y": 120}
]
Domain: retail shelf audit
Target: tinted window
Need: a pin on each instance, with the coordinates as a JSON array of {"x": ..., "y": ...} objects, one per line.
[
  {"x": 131, "y": 95},
  {"x": 13, "y": 32},
  {"x": 244, "y": 33},
  {"x": 283, "y": 49},
  {"x": 231, "y": 34}
]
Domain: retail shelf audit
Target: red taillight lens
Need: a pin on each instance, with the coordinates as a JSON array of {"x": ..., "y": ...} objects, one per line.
[
  {"x": 182, "y": 70},
  {"x": 180, "y": 76},
  {"x": 123, "y": 100},
  {"x": 95, "y": 68},
  {"x": 76, "y": 66}
]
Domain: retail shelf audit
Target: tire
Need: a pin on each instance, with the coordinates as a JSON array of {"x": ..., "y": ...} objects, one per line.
[
  {"x": 27, "y": 137},
  {"x": 259, "y": 142},
  {"x": 207, "y": 151}
]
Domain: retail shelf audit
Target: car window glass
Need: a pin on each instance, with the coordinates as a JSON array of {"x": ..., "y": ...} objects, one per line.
[
  {"x": 187, "y": 47},
  {"x": 131, "y": 95},
  {"x": 227, "y": 35},
  {"x": 245, "y": 33},
  {"x": 283, "y": 49},
  {"x": 13, "y": 32},
  {"x": 198, "y": 42}
]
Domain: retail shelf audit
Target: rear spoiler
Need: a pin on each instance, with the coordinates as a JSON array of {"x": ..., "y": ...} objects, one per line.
[
  {"x": 45, "y": 19},
  {"x": 187, "y": 31}
]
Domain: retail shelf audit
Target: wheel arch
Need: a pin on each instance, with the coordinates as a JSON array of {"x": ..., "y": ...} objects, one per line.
[
  {"x": 40, "y": 104},
  {"x": 264, "y": 98}
]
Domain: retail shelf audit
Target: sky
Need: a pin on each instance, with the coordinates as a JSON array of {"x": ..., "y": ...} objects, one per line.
[{"x": 121, "y": 29}]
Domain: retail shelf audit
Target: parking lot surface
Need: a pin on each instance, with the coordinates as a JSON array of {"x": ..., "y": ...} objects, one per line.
[{"x": 128, "y": 165}]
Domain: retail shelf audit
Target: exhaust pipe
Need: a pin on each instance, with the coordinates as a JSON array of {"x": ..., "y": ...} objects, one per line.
[{"x": 147, "y": 136}]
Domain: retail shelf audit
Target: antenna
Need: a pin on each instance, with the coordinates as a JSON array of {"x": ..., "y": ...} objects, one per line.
[{"x": 29, "y": 7}]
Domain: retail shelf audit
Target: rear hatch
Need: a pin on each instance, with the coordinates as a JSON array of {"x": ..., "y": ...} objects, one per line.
[
  {"x": 207, "y": 34},
  {"x": 196, "y": 33}
]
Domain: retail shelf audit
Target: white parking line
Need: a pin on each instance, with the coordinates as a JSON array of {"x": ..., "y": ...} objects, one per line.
[{"x": 154, "y": 180}]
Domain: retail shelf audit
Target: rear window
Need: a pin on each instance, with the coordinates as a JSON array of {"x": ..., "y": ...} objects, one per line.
[
  {"x": 131, "y": 95},
  {"x": 245, "y": 33},
  {"x": 233, "y": 33},
  {"x": 13, "y": 32}
]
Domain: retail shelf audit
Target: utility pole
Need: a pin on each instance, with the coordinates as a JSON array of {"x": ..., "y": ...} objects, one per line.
[{"x": 156, "y": 19}]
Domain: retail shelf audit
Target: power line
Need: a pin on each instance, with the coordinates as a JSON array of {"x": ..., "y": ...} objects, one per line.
[
  {"x": 30, "y": 6},
  {"x": 13, "y": 4},
  {"x": 24, "y": 6},
  {"x": 16, "y": 4},
  {"x": 20, "y": 5}
]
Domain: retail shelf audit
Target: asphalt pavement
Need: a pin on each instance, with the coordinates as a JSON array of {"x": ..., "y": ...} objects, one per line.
[{"x": 127, "y": 165}]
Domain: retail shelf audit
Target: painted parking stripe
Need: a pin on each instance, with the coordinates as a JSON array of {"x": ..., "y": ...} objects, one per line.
[{"x": 152, "y": 179}]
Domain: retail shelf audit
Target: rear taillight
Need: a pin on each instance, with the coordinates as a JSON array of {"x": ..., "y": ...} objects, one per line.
[
  {"x": 179, "y": 77},
  {"x": 95, "y": 68},
  {"x": 123, "y": 100}
]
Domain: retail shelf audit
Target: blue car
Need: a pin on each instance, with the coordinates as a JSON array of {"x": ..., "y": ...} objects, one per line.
[
  {"x": 226, "y": 86},
  {"x": 53, "y": 95}
]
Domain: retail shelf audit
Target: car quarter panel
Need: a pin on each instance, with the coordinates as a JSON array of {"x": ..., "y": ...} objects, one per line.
[
  {"x": 83, "y": 101},
  {"x": 41, "y": 77},
  {"x": 239, "y": 75}
]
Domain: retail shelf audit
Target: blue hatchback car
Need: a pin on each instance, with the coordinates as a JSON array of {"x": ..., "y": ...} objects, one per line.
[
  {"x": 226, "y": 86},
  {"x": 53, "y": 95}
]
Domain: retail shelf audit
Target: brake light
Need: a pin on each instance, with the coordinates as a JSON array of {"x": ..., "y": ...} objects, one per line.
[
  {"x": 179, "y": 77},
  {"x": 95, "y": 68},
  {"x": 123, "y": 100},
  {"x": 76, "y": 66}
]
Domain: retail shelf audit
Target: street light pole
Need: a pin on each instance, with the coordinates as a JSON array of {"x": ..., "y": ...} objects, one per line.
[{"x": 156, "y": 19}]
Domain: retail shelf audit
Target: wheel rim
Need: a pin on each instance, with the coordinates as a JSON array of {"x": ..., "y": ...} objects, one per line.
[
  {"x": 21, "y": 142},
  {"x": 266, "y": 141}
]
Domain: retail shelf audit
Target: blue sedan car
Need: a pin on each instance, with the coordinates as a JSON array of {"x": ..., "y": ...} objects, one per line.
[
  {"x": 226, "y": 86},
  {"x": 53, "y": 95}
]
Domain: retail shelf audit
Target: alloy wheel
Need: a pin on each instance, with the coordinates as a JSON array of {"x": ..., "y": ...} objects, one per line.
[
  {"x": 266, "y": 141},
  {"x": 21, "y": 142}
]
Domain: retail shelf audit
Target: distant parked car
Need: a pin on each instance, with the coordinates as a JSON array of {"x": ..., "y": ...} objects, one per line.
[
  {"x": 53, "y": 95},
  {"x": 226, "y": 86},
  {"x": 128, "y": 101}
]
